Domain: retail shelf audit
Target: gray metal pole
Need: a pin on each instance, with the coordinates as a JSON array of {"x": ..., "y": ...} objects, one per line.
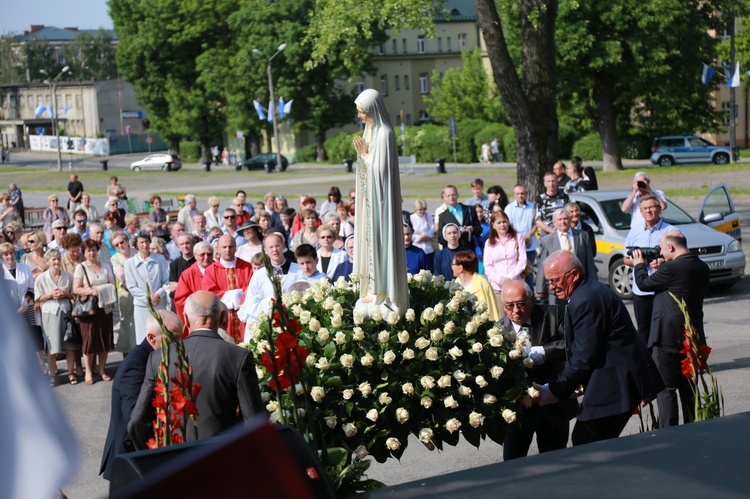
[
  {"x": 275, "y": 122},
  {"x": 732, "y": 97},
  {"x": 57, "y": 127}
]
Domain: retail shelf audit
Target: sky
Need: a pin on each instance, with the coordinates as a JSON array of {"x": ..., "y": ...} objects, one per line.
[{"x": 17, "y": 15}]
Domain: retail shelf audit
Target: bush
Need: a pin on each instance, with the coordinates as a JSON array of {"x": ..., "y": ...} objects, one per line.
[
  {"x": 308, "y": 154},
  {"x": 190, "y": 152},
  {"x": 340, "y": 147},
  {"x": 589, "y": 148},
  {"x": 509, "y": 145},
  {"x": 567, "y": 137},
  {"x": 635, "y": 144},
  {"x": 429, "y": 142},
  {"x": 467, "y": 150},
  {"x": 489, "y": 133}
]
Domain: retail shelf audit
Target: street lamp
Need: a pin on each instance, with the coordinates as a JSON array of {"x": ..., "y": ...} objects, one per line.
[
  {"x": 270, "y": 91},
  {"x": 55, "y": 119}
]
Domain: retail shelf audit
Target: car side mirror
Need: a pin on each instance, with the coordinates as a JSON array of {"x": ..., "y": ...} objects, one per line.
[{"x": 712, "y": 217}]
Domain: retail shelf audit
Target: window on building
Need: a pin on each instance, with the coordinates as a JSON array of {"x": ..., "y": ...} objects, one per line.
[
  {"x": 421, "y": 44},
  {"x": 39, "y": 99},
  {"x": 403, "y": 43},
  {"x": 384, "y": 84},
  {"x": 408, "y": 119},
  {"x": 21, "y": 102},
  {"x": 78, "y": 102},
  {"x": 448, "y": 47},
  {"x": 440, "y": 44},
  {"x": 381, "y": 49},
  {"x": 31, "y": 101},
  {"x": 13, "y": 101},
  {"x": 68, "y": 101},
  {"x": 395, "y": 46},
  {"x": 406, "y": 82},
  {"x": 424, "y": 83},
  {"x": 360, "y": 84},
  {"x": 461, "y": 41},
  {"x": 395, "y": 83},
  {"x": 424, "y": 115}
]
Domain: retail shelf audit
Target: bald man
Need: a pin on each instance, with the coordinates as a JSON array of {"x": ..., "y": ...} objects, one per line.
[
  {"x": 127, "y": 386},
  {"x": 225, "y": 372}
]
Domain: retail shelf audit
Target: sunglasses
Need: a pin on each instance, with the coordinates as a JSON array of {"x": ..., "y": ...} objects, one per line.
[
  {"x": 230, "y": 217},
  {"x": 81, "y": 221},
  {"x": 59, "y": 228},
  {"x": 325, "y": 237}
]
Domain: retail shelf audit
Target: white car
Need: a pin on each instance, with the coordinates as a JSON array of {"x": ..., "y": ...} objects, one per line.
[
  {"x": 164, "y": 162},
  {"x": 715, "y": 237}
]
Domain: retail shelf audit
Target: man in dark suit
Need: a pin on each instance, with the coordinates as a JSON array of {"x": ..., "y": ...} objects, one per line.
[
  {"x": 225, "y": 372},
  {"x": 456, "y": 213},
  {"x": 577, "y": 224},
  {"x": 568, "y": 239},
  {"x": 127, "y": 385},
  {"x": 546, "y": 336},
  {"x": 684, "y": 275},
  {"x": 605, "y": 354}
]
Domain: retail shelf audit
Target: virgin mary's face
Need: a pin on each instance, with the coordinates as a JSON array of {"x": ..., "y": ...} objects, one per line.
[{"x": 363, "y": 117}]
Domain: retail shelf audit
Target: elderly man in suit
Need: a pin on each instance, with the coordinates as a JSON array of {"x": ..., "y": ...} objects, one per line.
[
  {"x": 546, "y": 341},
  {"x": 686, "y": 276},
  {"x": 127, "y": 386},
  {"x": 605, "y": 354},
  {"x": 460, "y": 215},
  {"x": 565, "y": 238},
  {"x": 225, "y": 372}
]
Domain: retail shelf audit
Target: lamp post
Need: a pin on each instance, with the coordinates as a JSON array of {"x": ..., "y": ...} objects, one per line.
[
  {"x": 270, "y": 91},
  {"x": 55, "y": 120}
]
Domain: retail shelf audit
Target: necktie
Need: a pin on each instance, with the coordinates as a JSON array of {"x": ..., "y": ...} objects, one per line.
[{"x": 566, "y": 242}]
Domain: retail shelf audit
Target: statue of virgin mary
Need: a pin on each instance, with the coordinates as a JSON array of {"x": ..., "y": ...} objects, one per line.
[{"x": 379, "y": 256}]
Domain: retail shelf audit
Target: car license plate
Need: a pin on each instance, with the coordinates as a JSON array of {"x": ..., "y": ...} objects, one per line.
[{"x": 719, "y": 264}]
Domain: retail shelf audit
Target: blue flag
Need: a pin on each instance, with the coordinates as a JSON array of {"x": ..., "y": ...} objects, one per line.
[
  {"x": 708, "y": 73},
  {"x": 259, "y": 110},
  {"x": 281, "y": 107},
  {"x": 40, "y": 110}
]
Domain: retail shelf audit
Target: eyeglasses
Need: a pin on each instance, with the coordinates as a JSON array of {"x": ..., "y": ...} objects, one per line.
[
  {"x": 229, "y": 217},
  {"x": 555, "y": 281},
  {"x": 9, "y": 233},
  {"x": 202, "y": 255},
  {"x": 325, "y": 237},
  {"x": 31, "y": 241},
  {"x": 520, "y": 304},
  {"x": 119, "y": 243},
  {"x": 59, "y": 228}
]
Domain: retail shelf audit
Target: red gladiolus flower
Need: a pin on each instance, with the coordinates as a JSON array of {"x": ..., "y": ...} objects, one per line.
[
  {"x": 151, "y": 444},
  {"x": 178, "y": 399},
  {"x": 196, "y": 389},
  {"x": 177, "y": 438}
]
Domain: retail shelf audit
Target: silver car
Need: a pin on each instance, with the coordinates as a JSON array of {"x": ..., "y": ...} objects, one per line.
[
  {"x": 666, "y": 151},
  {"x": 716, "y": 240},
  {"x": 164, "y": 162}
]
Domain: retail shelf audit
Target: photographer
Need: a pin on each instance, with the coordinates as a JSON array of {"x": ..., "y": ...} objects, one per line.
[
  {"x": 646, "y": 235},
  {"x": 684, "y": 275},
  {"x": 641, "y": 188}
]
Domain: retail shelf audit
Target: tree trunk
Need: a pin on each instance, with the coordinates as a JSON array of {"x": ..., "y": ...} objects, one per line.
[
  {"x": 602, "y": 92},
  {"x": 320, "y": 138},
  {"x": 532, "y": 107},
  {"x": 205, "y": 150}
]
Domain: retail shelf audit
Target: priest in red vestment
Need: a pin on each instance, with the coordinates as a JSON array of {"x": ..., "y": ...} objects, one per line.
[
  {"x": 192, "y": 278},
  {"x": 228, "y": 278}
]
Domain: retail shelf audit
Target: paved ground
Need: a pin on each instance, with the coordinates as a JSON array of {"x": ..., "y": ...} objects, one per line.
[{"x": 87, "y": 407}]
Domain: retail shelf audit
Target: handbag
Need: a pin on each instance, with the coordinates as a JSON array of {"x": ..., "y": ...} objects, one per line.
[
  {"x": 85, "y": 306},
  {"x": 529, "y": 267},
  {"x": 72, "y": 331}
]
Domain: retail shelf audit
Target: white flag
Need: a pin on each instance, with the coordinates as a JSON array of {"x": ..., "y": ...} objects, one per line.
[{"x": 735, "y": 81}]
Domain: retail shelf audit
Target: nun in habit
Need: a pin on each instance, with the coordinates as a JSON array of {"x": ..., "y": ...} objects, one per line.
[{"x": 379, "y": 255}]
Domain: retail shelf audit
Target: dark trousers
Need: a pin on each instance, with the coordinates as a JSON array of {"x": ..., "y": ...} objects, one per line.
[
  {"x": 551, "y": 425},
  {"x": 595, "y": 430},
  {"x": 531, "y": 257},
  {"x": 669, "y": 365},
  {"x": 643, "y": 306}
]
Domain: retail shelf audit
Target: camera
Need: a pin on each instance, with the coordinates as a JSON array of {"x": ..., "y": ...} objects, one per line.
[
  {"x": 649, "y": 254},
  {"x": 641, "y": 184}
]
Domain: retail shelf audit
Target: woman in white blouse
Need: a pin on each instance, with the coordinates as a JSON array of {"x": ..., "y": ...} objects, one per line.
[
  {"x": 213, "y": 219},
  {"x": 424, "y": 231},
  {"x": 328, "y": 257}
]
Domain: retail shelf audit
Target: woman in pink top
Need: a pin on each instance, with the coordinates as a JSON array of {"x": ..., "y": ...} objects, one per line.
[{"x": 504, "y": 255}]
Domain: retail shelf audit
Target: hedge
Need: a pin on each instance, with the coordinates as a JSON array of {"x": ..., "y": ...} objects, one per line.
[
  {"x": 190, "y": 151},
  {"x": 589, "y": 148},
  {"x": 308, "y": 154}
]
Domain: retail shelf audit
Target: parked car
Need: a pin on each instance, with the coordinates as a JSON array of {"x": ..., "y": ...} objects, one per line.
[
  {"x": 265, "y": 161},
  {"x": 715, "y": 237},
  {"x": 666, "y": 151},
  {"x": 165, "y": 162}
]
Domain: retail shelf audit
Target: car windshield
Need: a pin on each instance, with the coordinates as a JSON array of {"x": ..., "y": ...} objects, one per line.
[{"x": 673, "y": 215}]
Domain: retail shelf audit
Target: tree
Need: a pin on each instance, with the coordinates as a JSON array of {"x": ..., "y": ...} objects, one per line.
[
  {"x": 38, "y": 55},
  {"x": 464, "y": 93},
  {"x": 91, "y": 56},
  {"x": 11, "y": 64}
]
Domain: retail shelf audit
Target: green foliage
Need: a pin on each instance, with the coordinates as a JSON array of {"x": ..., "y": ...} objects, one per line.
[
  {"x": 190, "y": 151},
  {"x": 490, "y": 132},
  {"x": 589, "y": 148},
  {"x": 509, "y": 146},
  {"x": 340, "y": 147},
  {"x": 39, "y": 55},
  {"x": 467, "y": 149},
  {"x": 308, "y": 154},
  {"x": 11, "y": 65},
  {"x": 464, "y": 93},
  {"x": 428, "y": 142},
  {"x": 567, "y": 136},
  {"x": 91, "y": 56},
  {"x": 636, "y": 144}
]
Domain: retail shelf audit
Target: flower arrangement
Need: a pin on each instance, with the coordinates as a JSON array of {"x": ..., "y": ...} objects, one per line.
[{"x": 356, "y": 386}]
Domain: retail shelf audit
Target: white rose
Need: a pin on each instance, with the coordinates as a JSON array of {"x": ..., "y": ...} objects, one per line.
[
  {"x": 347, "y": 394},
  {"x": 304, "y": 317},
  {"x": 475, "y": 419},
  {"x": 338, "y": 309},
  {"x": 453, "y": 306},
  {"x": 509, "y": 416},
  {"x": 318, "y": 296},
  {"x": 361, "y": 451},
  {"x": 402, "y": 415},
  {"x": 331, "y": 421},
  {"x": 510, "y": 335},
  {"x": 403, "y": 337},
  {"x": 459, "y": 375},
  {"x": 464, "y": 391},
  {"x": 450, "y": 402},
  {"x": 471, "y": 328},
  {"x": 410, "y": 316},
  {"x": 419, "y": 277},
  {"x": 376, "y": 315},
  {"x": 428, "y": 315},
  {"x": 358, "y": 335},
  {"x": 358, "y": 316},
  {"x": 323, "y": 333},
  {"x": 392, "y": 318},
  {"x": 496, "y": 340},
  {"x": 444, "y": 381},
  {"x": 365, "y": 389},
  {"x": 431, "y": 354},
  {"x": 528, "y": 363},
  {"x": 389, "y": 357},
  {"x": 355, "y": 278},
  {"x": 301, "y": 412},
  {"x": 477, "y": 347},
  {"x": 455, "y": 352},
  {"x": 384, "y": 399},
  {"x": 341, "y": 283},
  {"x": 422, "y": 343},
  {"x": 425, "y": 435},
  {"x": 367, "y": 360},
  {"x": 496, "y": 371},
  {"x": 408, "y": 354},
  {"x": 453, "y": 425},
  {"x": 489, "y": 398},
  {"x": 372, "y": 415},
  {"x": 436, "y": 334},
  {"x": 347, "y": 360},
  {"x": 449, "y": 327},
  {"x": 480, "y": 381},
  {"x": 426, "y": 402},
  {"x": 328, "y": 303},
  {"x": 407, "y": 388},
  {"x": 314, "y": 324},
  {"x": 296, "y": 309},
  {"x": 260, "y": 373},
  {"x": 272, "y": 406},
  {"x": 438, "y": 280},
  {"x": 265, "y": 396},
  {"x": 340, "y": 338},
  {"x": 514, "y": 354},
  {"x": 310, "y": 360},
  {"x": 349, "y": 430},
  {"x": 533, "y": 392},
  {"x": 383, "y": 336},
  {"x": 427, "y": 382},
  {"x": 317, "y": 393},
  {"x": 299, "y": 389},
  {"x": 393, "y": 444},
  {"x": 323, "y": 364},
  {"x": 439, "y": 308},
  {"x": 336, "y": 320}
]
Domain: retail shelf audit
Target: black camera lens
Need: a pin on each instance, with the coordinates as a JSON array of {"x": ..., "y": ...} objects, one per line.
[{"x": 641, "y": 184}]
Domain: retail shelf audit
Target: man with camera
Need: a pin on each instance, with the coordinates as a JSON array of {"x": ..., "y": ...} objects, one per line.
[
  {"x": 646, "y": 235},
  {"x": 641, "y": 188},
  {"x": 686, "y": 276}
]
